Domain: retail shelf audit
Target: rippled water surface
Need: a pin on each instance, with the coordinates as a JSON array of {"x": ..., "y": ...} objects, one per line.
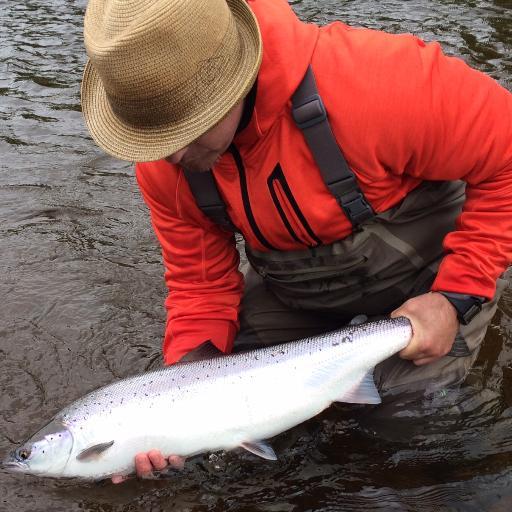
[{"x": 81, "y": 301}]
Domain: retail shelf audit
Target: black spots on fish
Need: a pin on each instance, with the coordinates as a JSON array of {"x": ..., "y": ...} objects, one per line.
[
  {"x": 345, "y": 339},
  {"x": 256, "y": 358},
  {"x": 282, "y": 352}
]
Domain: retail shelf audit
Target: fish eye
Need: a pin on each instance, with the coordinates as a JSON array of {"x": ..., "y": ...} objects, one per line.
[{"x": 22, "y": 454}]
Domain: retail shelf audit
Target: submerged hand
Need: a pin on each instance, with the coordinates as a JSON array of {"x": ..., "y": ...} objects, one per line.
[
  {"x": 146, "y": 463},
  {"x": 434, "y": 324}
]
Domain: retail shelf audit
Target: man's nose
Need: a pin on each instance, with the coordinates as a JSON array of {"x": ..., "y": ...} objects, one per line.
[{"x": 175, "y": 158}]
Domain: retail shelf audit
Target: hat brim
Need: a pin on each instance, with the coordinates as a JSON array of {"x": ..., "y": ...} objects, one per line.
[{"x": 144, "y": 144}]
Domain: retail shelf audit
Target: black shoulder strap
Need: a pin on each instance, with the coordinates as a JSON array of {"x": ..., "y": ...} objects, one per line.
[
  {"x": 208, "y": 199},
  {"x": 311, "y": 117}
]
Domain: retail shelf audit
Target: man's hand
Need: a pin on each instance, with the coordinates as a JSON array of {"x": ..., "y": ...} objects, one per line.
[
  {"x": 434, "y": 324},
  {"x": 146, "y": 463}
]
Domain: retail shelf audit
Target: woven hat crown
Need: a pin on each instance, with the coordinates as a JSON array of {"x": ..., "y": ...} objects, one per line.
[{"x": 164, "y": 68}]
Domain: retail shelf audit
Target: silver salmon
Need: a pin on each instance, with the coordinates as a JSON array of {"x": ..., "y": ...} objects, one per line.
[{"x": 238, "y": 400}]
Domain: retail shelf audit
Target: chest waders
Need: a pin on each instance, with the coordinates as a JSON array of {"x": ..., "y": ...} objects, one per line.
[{"x": 389, "y": 257}]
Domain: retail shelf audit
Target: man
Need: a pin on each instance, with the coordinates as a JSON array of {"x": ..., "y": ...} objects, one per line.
[{"x": 360, "y": 211}]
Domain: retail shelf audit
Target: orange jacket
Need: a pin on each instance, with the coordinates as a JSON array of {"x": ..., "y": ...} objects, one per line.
[{"x": 401, "y": 111}]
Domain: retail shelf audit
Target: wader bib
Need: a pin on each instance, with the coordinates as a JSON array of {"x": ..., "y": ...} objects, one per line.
[{"x": 389, "y": 258}]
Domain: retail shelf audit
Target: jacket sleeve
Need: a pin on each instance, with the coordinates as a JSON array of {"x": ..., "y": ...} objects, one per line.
[
  {"x": 201, "y": 265},
  {"x": 451, "y": 122}
]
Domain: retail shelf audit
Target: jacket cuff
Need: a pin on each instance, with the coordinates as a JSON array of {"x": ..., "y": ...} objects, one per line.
[
  {"x": 457, "y": 278},
  {"x": 220, "y": 332}
]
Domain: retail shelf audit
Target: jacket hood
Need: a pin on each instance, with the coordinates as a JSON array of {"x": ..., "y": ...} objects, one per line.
[{"x": 288, "y": 45}]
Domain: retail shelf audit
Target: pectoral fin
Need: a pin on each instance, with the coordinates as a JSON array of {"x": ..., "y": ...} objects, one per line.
[
  {"x": 93, "y": 452},
  {"x": 260, "y": 448},
  {"x": 363, "y": 393}
]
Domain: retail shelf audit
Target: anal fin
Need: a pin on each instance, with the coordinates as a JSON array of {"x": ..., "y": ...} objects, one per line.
[{"x": 363, "y": 393}]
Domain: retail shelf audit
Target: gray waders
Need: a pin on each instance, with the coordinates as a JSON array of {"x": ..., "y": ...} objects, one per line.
[{"x": 389, "y": 258}]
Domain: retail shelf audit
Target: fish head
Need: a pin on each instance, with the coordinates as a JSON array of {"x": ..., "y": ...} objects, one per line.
[{"x": 46, "y": 453}]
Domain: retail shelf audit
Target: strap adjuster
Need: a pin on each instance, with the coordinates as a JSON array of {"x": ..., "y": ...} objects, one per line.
[
  {"x": 344, "y": 187},
  {"x": 358, "y": 209},
  {"x": 309, "y": 113}
]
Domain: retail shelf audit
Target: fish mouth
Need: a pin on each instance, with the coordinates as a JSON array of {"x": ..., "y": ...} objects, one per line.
[{"x": 14, "y": 466}]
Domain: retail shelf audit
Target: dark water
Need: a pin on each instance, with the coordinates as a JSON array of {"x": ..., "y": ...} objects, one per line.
[{"x": 81, "y": 293}]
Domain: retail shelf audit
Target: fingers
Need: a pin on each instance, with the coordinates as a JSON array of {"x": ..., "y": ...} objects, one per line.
[
  {"x": 143, "y": 465},
  {"x": 424, "y": 360},
  {"x": 146, "y": 463},
  {"x": 119, "y": 479},
  {"x": 157, "y": 460},
  {"x": 176, "y": 461},
  {"x": 434, "y": 323}
]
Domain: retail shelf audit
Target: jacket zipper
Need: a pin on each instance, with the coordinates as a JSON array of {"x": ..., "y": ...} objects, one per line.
[
  {"x": 245, "y": 199},
  {"x": 277, "y": 183}
]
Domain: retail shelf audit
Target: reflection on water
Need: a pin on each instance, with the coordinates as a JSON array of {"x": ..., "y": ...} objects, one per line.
[{"x": 82, "y": 291}]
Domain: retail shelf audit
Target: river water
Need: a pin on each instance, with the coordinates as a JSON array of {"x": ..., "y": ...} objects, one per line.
[{"x": 81, "y": 293}]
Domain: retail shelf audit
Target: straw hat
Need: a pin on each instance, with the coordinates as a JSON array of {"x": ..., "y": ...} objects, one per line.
[{"x": 163, "y": 72}]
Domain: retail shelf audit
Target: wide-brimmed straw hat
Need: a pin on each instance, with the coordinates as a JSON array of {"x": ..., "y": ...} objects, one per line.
[{"x": 163, "y": 72}]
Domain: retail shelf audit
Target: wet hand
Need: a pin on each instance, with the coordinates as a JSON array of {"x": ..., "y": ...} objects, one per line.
[
  {"x": 147, "y": 463},
  {"x": 434, "y": 324}
]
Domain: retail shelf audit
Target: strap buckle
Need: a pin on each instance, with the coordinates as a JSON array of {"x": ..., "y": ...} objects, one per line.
[
  {"x": 358, "y": 210},
  {"x": 351, "y": 200},
  {"x": 309, "y": 113}
]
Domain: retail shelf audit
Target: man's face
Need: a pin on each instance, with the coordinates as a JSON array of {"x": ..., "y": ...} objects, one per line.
[{"x": 201, "y": 154}]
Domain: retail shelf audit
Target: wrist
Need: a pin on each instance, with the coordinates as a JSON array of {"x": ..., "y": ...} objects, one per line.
[{"x": 465, "y": 306}]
